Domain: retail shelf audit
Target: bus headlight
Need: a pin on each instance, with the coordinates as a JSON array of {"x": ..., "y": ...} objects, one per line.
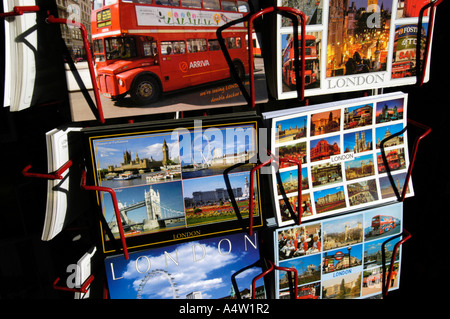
[{"x": 120, "y": 82}]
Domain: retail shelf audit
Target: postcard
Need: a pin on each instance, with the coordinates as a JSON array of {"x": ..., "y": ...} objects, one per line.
[
  {"x": 174, "y": 183},
  {"x": 339, "y": 147},
  {"x": 199, "y": 269},
  {"x": 351, "y": 46},
  {"x": 139, "y": 75},
  {"x": 340, "y": 257}
]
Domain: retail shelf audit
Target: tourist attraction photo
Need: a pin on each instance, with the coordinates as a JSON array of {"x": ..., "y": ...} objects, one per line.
[{"x": 137, "y": 159}]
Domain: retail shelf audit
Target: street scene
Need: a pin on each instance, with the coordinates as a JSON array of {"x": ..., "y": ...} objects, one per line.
[{"x": 211, "y": 95}]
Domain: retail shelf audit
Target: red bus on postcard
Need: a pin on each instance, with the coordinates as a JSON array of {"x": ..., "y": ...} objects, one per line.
[
  {"x": 147, "y": 47},
  {"x": 382, "y": 224},
  {"x": 311, "y": 62},
  {"x": 393, "y": 160},
  {"x": 306, "y": 293},
  {"x": 411, "y": 8}
]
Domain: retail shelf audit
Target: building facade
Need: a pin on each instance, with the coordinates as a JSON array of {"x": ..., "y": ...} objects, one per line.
[{"x": 80, "y": 11}]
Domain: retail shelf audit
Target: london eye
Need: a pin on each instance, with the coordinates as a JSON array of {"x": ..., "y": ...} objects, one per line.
[{"x": 153, "y": 274}]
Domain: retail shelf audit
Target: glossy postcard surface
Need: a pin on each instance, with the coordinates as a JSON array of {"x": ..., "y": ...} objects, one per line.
[
  {"x": 340, "y": 257},
  {"x": 352, "y": 45},
  {"x": 200, "y": 269},
  {"x": 339, "y": 147},
  {"x": 172, "y": 184}
]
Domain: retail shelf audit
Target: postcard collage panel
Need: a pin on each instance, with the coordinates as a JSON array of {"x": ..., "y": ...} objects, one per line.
[
  {"x": 200, "y": 269},
  {"x": 342, "y": 164},
  {"x": 340, "y": 257},
  {"x": 174, "y": 180},
  {"x": 352, "y": 45}
]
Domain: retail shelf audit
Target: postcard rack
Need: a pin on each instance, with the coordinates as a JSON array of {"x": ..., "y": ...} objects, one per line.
[
  {"x": 387, "y": 279},
  {"x": 299, "y": 53},
  {"x": 116, "y": 208},
  {"x": 292, "y": 277},
  {"x": 54, "y": 175},
  {"x": 82, "y": 289},
  {"x": 427, "y": 130},
  {"x": 420, "y": 71},
  {"x": 52, "y": 19},
  {"x": 20, "y": 10},
  {"x": 267, "y": 266},
  {"x": 400, "y": 197},
  {"x": 292, "y": 273}
]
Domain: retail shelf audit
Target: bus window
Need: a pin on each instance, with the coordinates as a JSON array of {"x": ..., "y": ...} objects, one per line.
[
  {"x": 98, "y": 46},
  {"x": 233, "y": 43},
  {"x": 213, "y": 45},
  {"x": 150, "y": 48},
  {"x": 139, "y": 1},
  {"x": 243, "y": 6},
  {"x": 309, "y": 43},
  {"x": 117, "y": 48},
  {"x": 211, "y": 4},
  {"x": 196, "y": 45},
  {"x": 110, "y": 2},
  {"x": 173, "y": 47},
  {"x": 228, "y": 5},
  {"x": 191, "y": 3},
  {"x": 174, "y": 3},
  {"x": 98, "y": 50}
]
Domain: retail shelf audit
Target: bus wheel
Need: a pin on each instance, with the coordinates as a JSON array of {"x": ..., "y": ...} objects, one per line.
[{"x": 145, "y": 90}]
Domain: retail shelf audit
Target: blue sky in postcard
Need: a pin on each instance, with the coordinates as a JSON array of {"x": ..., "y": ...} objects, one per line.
[
  {"x": 110, "y": 151},
  {"x": 210, "y": 273}
]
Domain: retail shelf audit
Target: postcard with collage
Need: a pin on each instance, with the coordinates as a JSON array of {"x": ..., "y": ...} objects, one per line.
[
  {"x": 340, "y": 257},
  {"x": 338, "y": 145},
  {"x": 352, "y": 45},
  {"x": 199, "y": 269},
  {"x": 174, "y": 184}
]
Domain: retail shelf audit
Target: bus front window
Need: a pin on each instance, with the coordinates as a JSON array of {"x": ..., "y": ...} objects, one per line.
[
  {"x": 120, "y": 48},
  {"x": 98, "y": 50}
]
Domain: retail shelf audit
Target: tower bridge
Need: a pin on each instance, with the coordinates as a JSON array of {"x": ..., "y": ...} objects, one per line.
[{"x": 157, "y": 213}]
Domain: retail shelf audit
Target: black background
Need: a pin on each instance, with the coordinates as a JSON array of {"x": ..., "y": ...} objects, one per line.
[{"x": 28, "y": 266}]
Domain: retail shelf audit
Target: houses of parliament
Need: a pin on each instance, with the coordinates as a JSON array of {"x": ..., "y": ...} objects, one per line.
[{"x": 141, "y": 164}]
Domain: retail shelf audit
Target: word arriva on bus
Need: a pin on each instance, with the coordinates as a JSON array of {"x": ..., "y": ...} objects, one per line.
[{"x": 198, "y": 64}]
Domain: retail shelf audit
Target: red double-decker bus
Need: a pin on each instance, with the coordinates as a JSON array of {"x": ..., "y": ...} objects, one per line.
[
  {"x": 147, "y": 47},
  {"x": 393, "y": 160},
  {"x": 311, "y": 62},
  {"x": 382, "y": 224},
  {"x": 411, "y": 8}
]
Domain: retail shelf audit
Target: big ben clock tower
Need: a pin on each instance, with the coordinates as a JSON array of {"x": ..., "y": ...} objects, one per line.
[{"x": 165, "y": 152}]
